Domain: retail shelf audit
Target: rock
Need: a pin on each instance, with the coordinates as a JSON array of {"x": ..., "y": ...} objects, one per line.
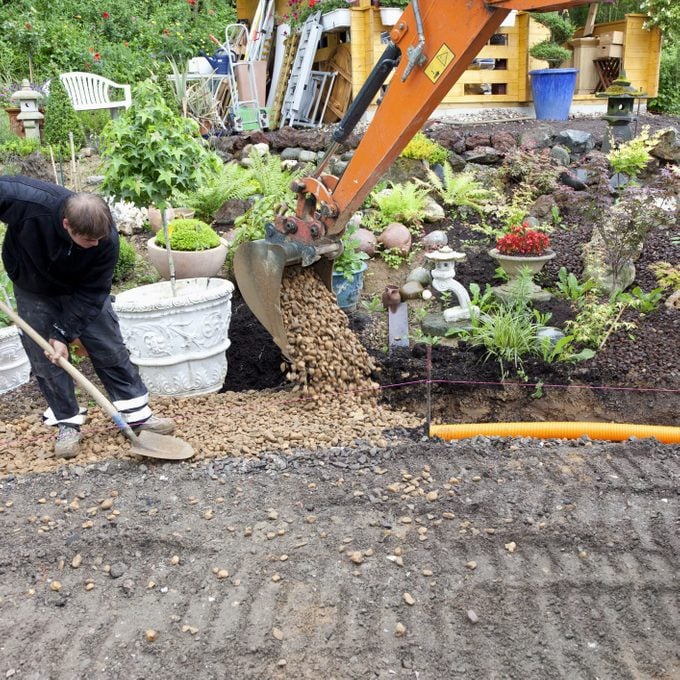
[
  {"x": 434, "y": 324},
  {"x": 472, "y": 141},
  {"x": 452, "y": 139},
  {"x": 561, "y": 155},
  {"x": 457, "y": 162},
  {"x": 577, "y": 141},
  {"x": 434, "y": 240},
  {"x": 542, "y": 208},
  {"x": 117, "y": 569},
  {"x": 668, "y": 147},
  {"x": 150, "y": 635},
  {"x": 484, "y": 155},
  {"x": 368, "y": 242},
  {"x": 409, "y": 599},
  {"x": 396, "y": 235},
  {"x": 307, "y": 156},
  {"x": 421, "y": 275},
  {"x": 573, "y": 179},
  {"x": 399, "y": 629},
  {"x": 405, "y": 170},
  {"x": 411, "y": 290},
  {"x": 432, "y": 211},
  {"x": 472, "y": 616},
  {"x": 290, "y": 154},
  {"x": 503, "y": 141}
]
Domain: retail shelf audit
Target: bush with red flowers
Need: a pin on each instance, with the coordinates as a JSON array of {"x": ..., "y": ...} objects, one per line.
[{"x": 523, "y": 241}]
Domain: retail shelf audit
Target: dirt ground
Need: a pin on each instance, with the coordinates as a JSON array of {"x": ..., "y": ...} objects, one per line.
[{"x": 306, "y": 543}]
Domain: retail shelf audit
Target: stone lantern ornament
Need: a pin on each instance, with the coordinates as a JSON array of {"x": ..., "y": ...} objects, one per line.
[
  {"x": 621, "y": 96},
  {"x": 443, "y": 280},
  {"x": 27, "y": 99}
]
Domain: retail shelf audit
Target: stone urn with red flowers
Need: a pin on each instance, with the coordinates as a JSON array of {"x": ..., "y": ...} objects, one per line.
[{"x": 522, "y": 249}]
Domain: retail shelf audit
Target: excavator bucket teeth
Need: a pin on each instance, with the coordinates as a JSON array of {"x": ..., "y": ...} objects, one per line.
[{"x": 258, "y": 267}]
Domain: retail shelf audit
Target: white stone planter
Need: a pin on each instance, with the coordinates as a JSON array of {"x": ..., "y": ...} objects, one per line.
[
  {"x": 188, "y": 263},
  {"x": 14, "y": 367},
  {"x": 178, "y": 342},
  {"x": 390, "y": 15}
]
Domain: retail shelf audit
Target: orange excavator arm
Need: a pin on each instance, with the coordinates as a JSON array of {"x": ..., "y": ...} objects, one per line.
[{"x": 430, "y": 47}]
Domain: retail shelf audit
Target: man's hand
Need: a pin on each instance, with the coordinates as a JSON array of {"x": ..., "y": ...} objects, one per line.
[{"x": 59, "y": 351}]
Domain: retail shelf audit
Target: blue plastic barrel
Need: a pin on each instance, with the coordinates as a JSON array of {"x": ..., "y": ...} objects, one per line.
[{"x": 553, "y": 91}]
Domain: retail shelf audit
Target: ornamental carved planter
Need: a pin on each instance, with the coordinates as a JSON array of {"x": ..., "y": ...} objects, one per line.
[
  {"x": 188, "y": 263},
  {"x": 178, "y": 342},
  {"x": 512, "y": 265},
  {"x": 14, "y": 367}
]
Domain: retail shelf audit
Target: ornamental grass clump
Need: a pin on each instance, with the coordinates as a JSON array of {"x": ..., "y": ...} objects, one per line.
[{"x": 521, "y": 241}]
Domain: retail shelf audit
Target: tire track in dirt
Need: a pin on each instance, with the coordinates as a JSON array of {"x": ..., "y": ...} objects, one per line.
[{"x": 590, "y": 588}]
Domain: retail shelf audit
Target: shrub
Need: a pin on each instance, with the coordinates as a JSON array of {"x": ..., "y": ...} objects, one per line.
[
  {"x": 189, "y": 235},
  {"x": 561, "y": 30},
  {"x": 126, "y": 261},
  {"x": 152, "y": 152},
  {"x": 668, "y": 98},
  {"x": 422, "y": 147},
  {"x": 60, "y": 120}
]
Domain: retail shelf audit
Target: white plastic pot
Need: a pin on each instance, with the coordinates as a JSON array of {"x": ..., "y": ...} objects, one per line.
[{"x": 178, "y": 342}]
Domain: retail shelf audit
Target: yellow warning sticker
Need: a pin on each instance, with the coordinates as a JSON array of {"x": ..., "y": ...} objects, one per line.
[{"x": 439, "y": 63}]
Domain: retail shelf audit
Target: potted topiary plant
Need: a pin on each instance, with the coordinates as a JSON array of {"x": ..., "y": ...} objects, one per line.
[
  {"x": 176, "y": 332},
  {"x": 553, "y": 88},
  {"x": 196, "y": 247}
]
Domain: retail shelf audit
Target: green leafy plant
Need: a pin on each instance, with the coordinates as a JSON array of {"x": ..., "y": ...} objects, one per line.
[
  {"x": 568, "y": 286},
  {"x": 667, "y": 275},
  {"x": 374, "y": 305},
  {"x": 461, "y": 191},
  {"x": 596, "y": 321},
  {"x": 421, "y": 147},
  {"x": 18, "y": 146},
  {"x": 631, "y": 157},
  {"x": 189, "y": 234},
  {"x": 561, "y": 30},
  {"x": 61, "y": 120},
  {"x": 351, "y": 258},
  {"x": 639, "y": 300},
  {"x": 271, "y": 177},
  {"x": 403, "y": 203},
  {"x": 393, "y": 257},
  {"x": 127, "y": 257},
  {"x": 151, "y": 152}
]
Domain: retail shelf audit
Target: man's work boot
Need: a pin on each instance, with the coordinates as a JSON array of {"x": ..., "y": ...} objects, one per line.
[
  {"x": 154, "y": 424},
  {"x": 68, "y": 442}
]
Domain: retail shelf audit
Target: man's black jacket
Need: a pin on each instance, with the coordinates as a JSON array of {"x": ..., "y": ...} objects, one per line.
[{"x": 40, "y": 257}]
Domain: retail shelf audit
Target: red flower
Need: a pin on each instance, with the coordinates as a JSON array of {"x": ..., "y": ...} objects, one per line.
[
  {"x": 97, "y": 56},
  {"x": 191, "y": 2},
  {"x": 28, "y": 26},
  {"x": 105, "y": 15},
  {"x": 521, "y": 240}
]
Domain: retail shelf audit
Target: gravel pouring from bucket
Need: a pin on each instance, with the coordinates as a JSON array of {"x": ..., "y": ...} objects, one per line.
[{"x": 149, "y": 444}]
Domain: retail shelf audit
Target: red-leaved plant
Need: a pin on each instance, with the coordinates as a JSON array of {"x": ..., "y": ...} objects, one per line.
[{"x": 522, "y": 241}]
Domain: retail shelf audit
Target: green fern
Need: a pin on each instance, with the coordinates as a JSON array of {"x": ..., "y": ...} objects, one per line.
[
  {"x": 462, "y": 190},
  {"x": 271, "y": 178},
  {"x": 403, "y": 203},
  {"x": 232, "y": 182}
]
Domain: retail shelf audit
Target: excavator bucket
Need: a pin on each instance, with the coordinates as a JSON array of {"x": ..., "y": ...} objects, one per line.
[{"x": 259, "y": 268}]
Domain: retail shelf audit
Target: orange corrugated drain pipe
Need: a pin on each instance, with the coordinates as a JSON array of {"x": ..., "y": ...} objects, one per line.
[{"x": 615, "y": 432}]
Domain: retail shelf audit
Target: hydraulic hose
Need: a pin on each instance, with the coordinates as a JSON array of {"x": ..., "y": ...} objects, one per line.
[{"x": 615, "y": 432}]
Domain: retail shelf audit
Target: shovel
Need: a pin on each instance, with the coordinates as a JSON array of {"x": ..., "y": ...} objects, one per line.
[{"x": 145, "y": 443}]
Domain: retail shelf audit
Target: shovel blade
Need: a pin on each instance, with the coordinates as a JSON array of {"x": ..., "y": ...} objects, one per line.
[{"x": 163, "y": 446}]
